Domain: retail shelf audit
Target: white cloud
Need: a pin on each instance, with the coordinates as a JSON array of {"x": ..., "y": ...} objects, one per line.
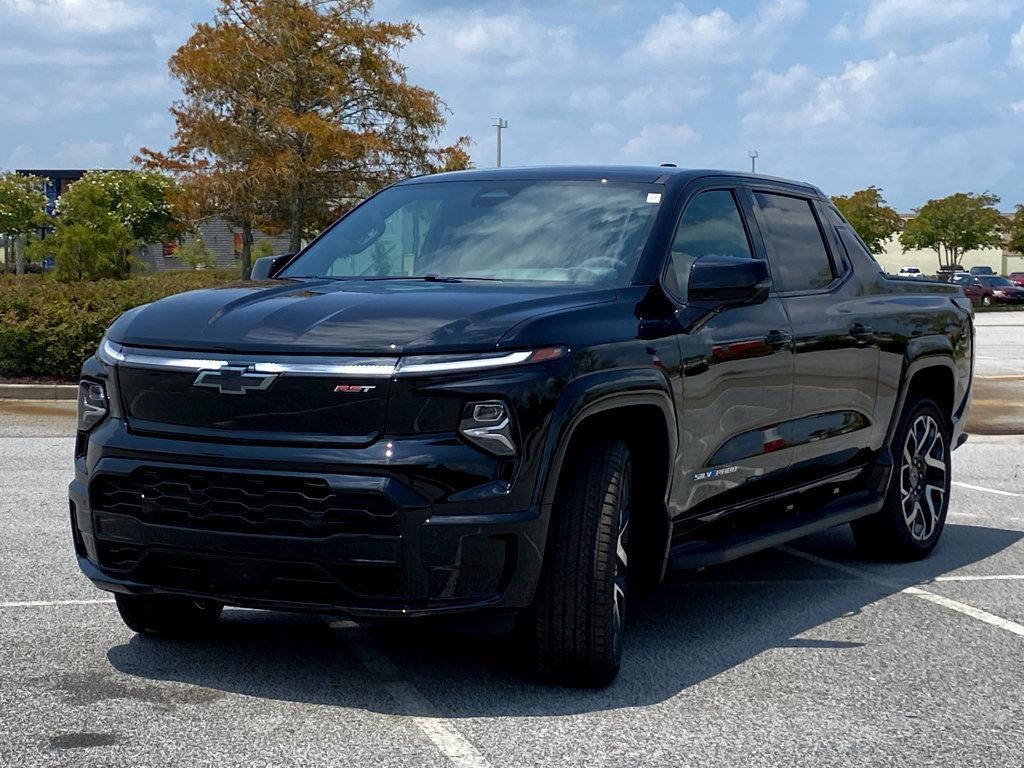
[
  {"x": 889, "y": 18},
  {"x": 658, "y": 143},
  {"x": 1017, "y": 107},
  {"x": 773, "y": 16},
  {"x": 1017, "y": 47},
  {"x": 511, "y": 44},
  {"x": 82, "y": 16},
  {"x": 682, "y": 35},
  {"x": 840, "y": 33},
  {"x": 716, "y": 37},
  {"x": 890, "y": 89}
]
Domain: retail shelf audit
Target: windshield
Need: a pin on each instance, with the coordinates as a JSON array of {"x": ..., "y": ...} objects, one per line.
[
  {"x": 996, "y": 282},
  {"x": 551, "y": 231}
]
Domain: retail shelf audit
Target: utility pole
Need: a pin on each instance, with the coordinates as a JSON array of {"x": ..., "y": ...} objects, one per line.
[
  {"x": 499, "y": 124},
  {"x": 754, "y": 155}
]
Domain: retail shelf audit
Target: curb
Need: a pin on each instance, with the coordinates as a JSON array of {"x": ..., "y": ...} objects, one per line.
[{"x": 38, "y": 392}]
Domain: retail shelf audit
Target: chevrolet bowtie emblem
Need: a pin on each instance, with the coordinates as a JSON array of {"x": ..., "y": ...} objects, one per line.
[{"x": 234, "y": 380}]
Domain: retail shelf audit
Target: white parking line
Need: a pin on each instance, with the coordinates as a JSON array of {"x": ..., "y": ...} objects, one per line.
[
  {"x": 986, "y": 488},
  {"x": 979, "y": 614},
  {"x": 36, "y": 604},
  {"x": 440, "y": 731},
  {"x": 976, "y": 577}
]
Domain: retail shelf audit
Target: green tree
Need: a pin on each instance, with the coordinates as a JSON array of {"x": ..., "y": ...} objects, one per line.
[
  {"x": 868, "y": 213},
  {"x": 306, "y": 102},
  {"x": 262, "y": 248},
  {"x": 196, "y": 254},
  {"x": 22, "y": 211},
  {"x": 89, "y": 251},
  {"x": 1016, "y": 230},
  {"x": 141, "y": 201},
  {"x": 952, "y": 225}
]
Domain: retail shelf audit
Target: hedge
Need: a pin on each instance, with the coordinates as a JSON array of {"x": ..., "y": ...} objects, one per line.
[{"x": 48, "y": 328}]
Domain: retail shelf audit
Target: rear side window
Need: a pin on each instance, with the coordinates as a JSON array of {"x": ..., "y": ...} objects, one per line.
[
  {"x": 799, "y": 258},
  {"x": 711, "y": 224}
]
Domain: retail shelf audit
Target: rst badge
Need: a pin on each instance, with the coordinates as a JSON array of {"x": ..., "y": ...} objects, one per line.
[{"x": 347, "y": 388}]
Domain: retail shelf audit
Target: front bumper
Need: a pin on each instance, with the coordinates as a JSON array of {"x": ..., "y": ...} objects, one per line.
[{"x": 324, "y": 530}]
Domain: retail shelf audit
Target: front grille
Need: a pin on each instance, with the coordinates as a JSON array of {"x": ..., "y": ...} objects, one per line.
[{"x": 246, "y": 504}]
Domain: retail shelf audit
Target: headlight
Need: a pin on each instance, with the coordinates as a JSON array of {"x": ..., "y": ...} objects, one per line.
[
  {"x": 488, "y": 425},
  {"x": 997, "y": 292},
  {"x": 92, "y": 404}
]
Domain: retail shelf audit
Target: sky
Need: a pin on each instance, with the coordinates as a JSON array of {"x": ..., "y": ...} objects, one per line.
[{"x": 919, "y": 97}]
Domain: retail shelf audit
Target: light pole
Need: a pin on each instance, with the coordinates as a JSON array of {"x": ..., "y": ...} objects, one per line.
[
  {"x": 753, "y": 160},
  {"x": 499, "y": 124}
]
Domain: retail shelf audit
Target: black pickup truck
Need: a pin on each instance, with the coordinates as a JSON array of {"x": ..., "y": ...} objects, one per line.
[{"x": 519, "y": 394}]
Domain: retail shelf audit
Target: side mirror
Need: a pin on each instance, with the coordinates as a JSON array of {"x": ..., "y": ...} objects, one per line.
[
  {"x": 268, "y": 266},
  {"x": 717, "y": 282}
]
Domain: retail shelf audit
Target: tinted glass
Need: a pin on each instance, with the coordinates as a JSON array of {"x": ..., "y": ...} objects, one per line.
[
  {"x": 566, "y": 232},
  {"x": 711, "y": 224},
  {"x": 799, "y": 258},
  {"x": 996, "y": 281}
]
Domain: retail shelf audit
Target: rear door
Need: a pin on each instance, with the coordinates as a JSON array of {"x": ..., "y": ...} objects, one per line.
[
  {"x": 737, "y": 367},
  {"x": 836, "y": 353}
]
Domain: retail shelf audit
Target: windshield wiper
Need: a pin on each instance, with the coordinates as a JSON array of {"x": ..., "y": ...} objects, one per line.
[{"x": 430, "y": 278}]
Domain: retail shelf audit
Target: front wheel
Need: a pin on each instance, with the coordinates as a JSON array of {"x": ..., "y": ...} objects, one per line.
[
  {"x": 580, "y": 609},
  {"x": 167, "y": 616},
  {"x": 909, "y": 524},
  {"x": 986, "y": 301}
]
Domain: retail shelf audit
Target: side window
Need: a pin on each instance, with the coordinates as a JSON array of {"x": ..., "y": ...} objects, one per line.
[
  {"x": 711, "y": 224},
  {"x": 853, "y": 246},
  {"x": 800, "y": 261}
]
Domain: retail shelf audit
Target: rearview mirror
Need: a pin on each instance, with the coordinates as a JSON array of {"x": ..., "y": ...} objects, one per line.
[
  {"x": 717, "y": 282},
  {"x": 268, "y": 266}
]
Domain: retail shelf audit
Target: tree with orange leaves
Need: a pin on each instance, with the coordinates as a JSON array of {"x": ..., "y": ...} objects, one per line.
[{"x": 295, "y": 109}]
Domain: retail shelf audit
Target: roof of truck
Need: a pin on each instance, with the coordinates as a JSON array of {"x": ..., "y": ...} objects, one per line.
[{"x": 636, "y": 174}]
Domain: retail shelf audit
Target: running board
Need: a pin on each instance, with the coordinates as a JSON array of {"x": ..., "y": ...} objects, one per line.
[{"x": 696, "y": 553}]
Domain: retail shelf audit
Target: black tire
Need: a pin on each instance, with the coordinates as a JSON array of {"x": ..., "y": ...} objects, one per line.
[
  {"x": 986, "y": 301},
  {"x": 579, "y": 610},
  {"x": 167, "y": 616},
  {"x": 909, "y": 525}
]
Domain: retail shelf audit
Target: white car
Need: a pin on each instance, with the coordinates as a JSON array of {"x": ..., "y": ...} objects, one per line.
[{"x": 910, "y": 272}]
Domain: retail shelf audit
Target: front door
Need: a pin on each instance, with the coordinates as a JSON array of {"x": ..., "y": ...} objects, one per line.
[{"x": 737, "y": 369}]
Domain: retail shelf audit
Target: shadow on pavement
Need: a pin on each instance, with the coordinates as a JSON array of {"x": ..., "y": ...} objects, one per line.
[{"x": 692, "y": 628}]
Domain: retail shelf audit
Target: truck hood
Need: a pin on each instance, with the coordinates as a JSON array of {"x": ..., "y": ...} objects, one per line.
[{"x": 347, "y": 316}]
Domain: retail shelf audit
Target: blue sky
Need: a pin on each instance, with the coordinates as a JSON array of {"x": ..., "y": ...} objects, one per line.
[{"x": 920, "y": 97}]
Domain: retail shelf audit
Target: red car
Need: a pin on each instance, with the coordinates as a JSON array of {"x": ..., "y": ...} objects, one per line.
[
  {"x": 1017, "y": 278},
  {"x": 991, "y": 289}
]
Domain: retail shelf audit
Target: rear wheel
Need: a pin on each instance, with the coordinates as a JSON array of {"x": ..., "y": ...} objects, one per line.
[
  {"x": 909, "y": 525},
  {"x": 580, "y": 609},
  {"x": 168, "y": 616}
]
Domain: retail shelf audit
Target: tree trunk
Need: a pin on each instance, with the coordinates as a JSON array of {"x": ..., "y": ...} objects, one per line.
[
  {"x": 246, "y": 250},
  {"x": 295, "y": 234},
  {"x": 19, "y": 254}
]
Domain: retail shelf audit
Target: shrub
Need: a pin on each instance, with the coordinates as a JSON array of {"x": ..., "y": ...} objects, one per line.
[
  {"x": 47, "y": 328},
  {"x": 196, "y": 254}
]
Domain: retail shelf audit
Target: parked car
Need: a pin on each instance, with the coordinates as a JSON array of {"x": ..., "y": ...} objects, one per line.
[
  {"x": 949, "y": 273},
  {"x": 518, "y": 394},
  {"x": 986, "y": 290},
  {"x": 910, "y": 272},
  {"x": 982, "y": 269},
  {"x": 1017, "y": 278}
]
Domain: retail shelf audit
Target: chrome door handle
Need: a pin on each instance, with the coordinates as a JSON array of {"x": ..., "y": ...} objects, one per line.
[{"x": 861, "y": 332}]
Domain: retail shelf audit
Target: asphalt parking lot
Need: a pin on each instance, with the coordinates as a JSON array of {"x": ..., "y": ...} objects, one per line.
[{"x": 804, "y": 655}]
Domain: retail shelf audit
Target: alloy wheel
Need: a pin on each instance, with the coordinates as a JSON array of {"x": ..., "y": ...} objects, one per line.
[
  {"x": 621, "y": 580},
  {"x": 923, "y": 472}
]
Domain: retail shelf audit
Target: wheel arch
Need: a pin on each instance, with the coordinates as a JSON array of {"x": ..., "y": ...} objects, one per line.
[{"x": 638, "y": 408}]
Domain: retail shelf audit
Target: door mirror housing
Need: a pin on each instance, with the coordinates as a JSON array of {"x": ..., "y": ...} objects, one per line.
[
  {"x": 268, "y": 266},
  {"x": 717, "y": 282}
]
